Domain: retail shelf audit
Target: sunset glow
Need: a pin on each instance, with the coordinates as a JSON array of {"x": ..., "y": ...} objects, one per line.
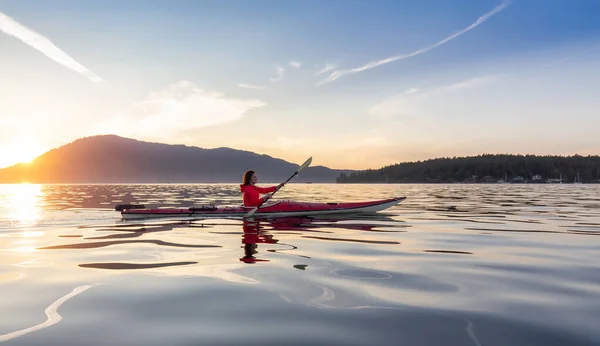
[
  {"x": 21, "y": 151},
  {"x": 299, "y": 79}
]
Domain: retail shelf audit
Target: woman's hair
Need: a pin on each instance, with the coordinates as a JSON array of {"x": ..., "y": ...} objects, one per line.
[{"x": 246, "y": 178}]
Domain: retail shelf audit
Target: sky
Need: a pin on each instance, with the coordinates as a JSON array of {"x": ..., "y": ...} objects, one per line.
[{"x": 354, "y": 84}]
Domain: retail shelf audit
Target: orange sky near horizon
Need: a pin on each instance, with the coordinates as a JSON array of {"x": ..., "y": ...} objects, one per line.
[{"x": 345, "y": 156}]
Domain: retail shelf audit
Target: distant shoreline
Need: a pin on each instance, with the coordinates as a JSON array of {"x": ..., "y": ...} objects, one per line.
[{"x": 488, "y": 169}]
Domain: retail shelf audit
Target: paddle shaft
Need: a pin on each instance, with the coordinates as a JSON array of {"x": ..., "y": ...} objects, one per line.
[{"x": 277, "y": 189}]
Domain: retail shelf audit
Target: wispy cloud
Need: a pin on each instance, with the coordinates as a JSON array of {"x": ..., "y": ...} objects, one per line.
[
  {"x": 179, "y": 107},
  {"x": 295, "y": 64},
  {"x": 571, "y": 56},
  {"x": 412, "y": 91},
  {"x": 11, "y": 27},
  {"x": 340, "y": 73},
  {"x": 279, "y": 71},
  {"x": 471, "y": 83},
  {"x": 325, "y": 69},
  {"x": 411, "y": 102},
  {"x": 397, "y": 106},
  {"x": 250, "y": 86}
]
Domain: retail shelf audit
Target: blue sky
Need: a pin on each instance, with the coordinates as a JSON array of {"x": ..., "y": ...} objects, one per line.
[{"x": 355, "y": 84}]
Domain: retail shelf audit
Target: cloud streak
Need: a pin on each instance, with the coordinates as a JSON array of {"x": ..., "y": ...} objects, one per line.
[
  {"x": 326, "y": 68},
  {"x": 279, "y": 70},
  {"x": 250, "y": 86},
  {"x": 472, "y": 83},
  {"x": 410, "y": 103},
  {"x": 340, "y": 73},
  {"x": 12, "y": 28},
  {"x": 572, "y": 56},
  {"x": 295, "y": 64}
]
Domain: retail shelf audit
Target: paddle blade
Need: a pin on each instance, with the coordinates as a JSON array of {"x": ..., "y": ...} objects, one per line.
[
  {"x": 251, "y": 212},
  {"x": 305, "y": 164}
]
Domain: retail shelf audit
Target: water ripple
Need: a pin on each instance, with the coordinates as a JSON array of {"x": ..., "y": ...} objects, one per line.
[
  {"x": 52, "y": 315},
  {"x": 110, "y": 243}
]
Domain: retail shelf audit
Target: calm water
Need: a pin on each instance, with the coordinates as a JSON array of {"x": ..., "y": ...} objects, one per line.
[{"x": 451, "y": 265}]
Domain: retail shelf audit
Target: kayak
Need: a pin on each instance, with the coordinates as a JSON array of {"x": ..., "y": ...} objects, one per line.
[{"x": 273, "y": 209}]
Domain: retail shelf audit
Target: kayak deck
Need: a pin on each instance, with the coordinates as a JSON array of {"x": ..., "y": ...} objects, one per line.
[{"x": 275, "y": 209}]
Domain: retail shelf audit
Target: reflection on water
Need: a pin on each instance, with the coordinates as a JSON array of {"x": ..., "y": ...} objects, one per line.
[
  {"x": 53, "y": 317},
  {"x": 253, "y": 234},
  {"x": 123, "y": 266},
  {"x": 21, "y": 203},
  {"x": 98, "y": 244},
  {"x": 451, "y": 265}
]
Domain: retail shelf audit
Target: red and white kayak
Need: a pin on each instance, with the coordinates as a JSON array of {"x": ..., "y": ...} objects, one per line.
[{"x": 274, "y": 209}]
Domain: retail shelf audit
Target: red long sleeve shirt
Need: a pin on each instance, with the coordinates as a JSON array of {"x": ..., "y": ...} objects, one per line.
[{"x": 252, "y": 194}]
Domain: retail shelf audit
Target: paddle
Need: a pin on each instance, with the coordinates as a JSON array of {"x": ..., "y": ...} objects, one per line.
[{"x": 304, "y": 165}]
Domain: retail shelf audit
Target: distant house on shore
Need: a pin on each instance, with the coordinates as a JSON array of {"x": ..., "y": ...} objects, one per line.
[
  {"x": 488, "y": 179},
  {"x": 518, "y": 179},
  {"x": 555, "y": 181}
]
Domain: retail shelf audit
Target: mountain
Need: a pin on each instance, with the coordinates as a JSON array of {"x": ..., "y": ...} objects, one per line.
[{"x": 114, "y": 159}]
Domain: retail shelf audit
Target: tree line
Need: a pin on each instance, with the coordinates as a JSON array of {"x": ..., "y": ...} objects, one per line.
[{"x": 487, "y": 168}]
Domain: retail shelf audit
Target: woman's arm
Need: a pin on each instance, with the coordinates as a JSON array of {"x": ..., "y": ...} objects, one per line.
[{"x": 266, "y": 189}]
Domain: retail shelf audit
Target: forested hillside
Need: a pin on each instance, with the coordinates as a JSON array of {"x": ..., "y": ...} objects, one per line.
[{"x": 485, "y": 168}]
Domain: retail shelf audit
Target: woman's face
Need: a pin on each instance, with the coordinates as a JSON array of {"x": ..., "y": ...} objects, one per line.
[{"x": 253, "y": 179}]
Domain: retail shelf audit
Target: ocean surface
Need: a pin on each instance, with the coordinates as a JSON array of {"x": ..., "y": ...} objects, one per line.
[{"x": 457, "y": 264}]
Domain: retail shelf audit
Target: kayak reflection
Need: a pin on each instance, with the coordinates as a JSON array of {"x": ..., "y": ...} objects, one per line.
[{"x": 264, "y": 230}]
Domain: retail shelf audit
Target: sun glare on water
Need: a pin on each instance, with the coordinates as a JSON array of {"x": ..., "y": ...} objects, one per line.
[{"x": 21, "y": 203}]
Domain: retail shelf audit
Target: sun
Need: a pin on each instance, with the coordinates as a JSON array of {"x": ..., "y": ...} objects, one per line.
[
  {"x": 26, "y": 152},
  {"x": 27, "y": 155},
  {"x": 21, "y": 151}
]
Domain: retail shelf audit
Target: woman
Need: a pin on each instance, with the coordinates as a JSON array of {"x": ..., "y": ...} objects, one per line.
[{"x": 251, "y": 192}]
